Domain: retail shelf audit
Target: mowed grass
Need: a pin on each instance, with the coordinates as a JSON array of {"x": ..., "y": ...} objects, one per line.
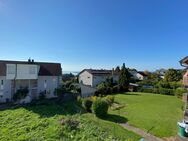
[
  {"x": 42, "y": 123},
  {"x": 156, "y": 114}
]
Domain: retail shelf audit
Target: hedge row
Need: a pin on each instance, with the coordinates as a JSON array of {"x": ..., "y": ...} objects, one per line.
[{"x": 177, "y": 92}]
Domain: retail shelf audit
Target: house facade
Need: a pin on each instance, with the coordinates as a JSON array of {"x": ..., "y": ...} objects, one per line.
[
  {"x": 138, "y": 75},
  {"x": 92, "y": 78},
  {"x": 184, "y": 63},
  {"x": 37, "y": 77}
]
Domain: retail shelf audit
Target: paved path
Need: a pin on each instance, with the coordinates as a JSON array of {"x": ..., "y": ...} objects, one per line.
[{"x": 140, "y": 132}]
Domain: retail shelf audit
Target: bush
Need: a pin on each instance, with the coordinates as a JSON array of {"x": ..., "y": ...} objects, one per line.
[
  {"x": 101, "y": 88},
  {"x": 42, "y": 95},
  {"x": 20, "y": 94},
  {"x": 100, "y": 107},
  {"x": 87, "y": 103},
  {"x": 166, "y": 91},
  {"x": 110, "y": 99},
  {"x": 115, "y": 89},
  {"x": 179, "y": 92},
  {"x": 70, "y": 123}
]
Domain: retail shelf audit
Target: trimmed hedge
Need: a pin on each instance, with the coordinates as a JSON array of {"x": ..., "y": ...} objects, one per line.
[
  {"x": 177, "y": 92},
  {"x": 100, "y": 107}
]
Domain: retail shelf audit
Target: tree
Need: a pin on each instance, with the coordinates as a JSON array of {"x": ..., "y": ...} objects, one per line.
[
  {"x": 173, "y": 75},
  {"x": 124, "y": 77},
  {"x": 117, "y": 69}
]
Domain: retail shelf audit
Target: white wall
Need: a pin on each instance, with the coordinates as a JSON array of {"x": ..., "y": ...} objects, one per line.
[
  {"x": 85, "y": 78},
  {"x": 52, "y": 82},
  {"x": 27, "y": 71},
  {"x": 87, "y": 91},
  {"x": 24, "y": 71},
  {"x": 99, "y": 79},
  {"x": 5, "y": 90}
]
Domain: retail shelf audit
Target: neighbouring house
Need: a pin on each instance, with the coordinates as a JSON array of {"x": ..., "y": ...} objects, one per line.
[
  {"x": 90, "y": 78},
  {"x": 37, "y": 77},
  {"x": 138, "y": 75},
  {"x": 161, "y": 73},
  {"x": 184, "y": 63}
]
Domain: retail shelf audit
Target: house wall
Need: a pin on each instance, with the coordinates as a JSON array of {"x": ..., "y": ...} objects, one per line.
[
  {"x": 99, "y": 79},
  {"x": 87, "y": 91},
  {"x": 137, "y": 76},
  {"x": 5, "y": 89},
  {"x": 48, "y": 83},
  {"x": 115, "y": 78},
  {"x": 22, "y": 71},
  {"x": 85, "y": 78}
]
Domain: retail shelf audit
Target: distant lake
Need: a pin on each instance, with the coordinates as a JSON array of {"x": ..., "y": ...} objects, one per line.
[{"x": 73, "y": 72}]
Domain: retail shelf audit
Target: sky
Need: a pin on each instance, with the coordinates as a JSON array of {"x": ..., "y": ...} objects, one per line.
[{"x": 143, "y": 34}]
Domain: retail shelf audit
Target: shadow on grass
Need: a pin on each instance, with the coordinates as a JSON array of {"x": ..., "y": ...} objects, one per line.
[
  {"x": 50, "y": 108},
  {"x": 115, "y": 118},
  {"x": 135, "y": 94}
]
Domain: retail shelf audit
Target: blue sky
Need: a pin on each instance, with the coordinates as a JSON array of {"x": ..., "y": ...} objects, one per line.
[{"x": 145, "y": 34}]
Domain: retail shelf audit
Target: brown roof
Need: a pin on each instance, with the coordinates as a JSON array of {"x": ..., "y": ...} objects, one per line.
[
  {"x": 142, "y": 73},
  {"x": 184, "y": 61},
  {"x": 46, "y": 69},
  {"x": 100, "y": 72}
]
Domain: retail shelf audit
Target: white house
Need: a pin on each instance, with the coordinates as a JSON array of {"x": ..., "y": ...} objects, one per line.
[
  {"x": 36, "y": 76},
  {"x": 91, "y": 77},
  {"x": 138, "y": 75},
  {"x": 184, "y": 63}
]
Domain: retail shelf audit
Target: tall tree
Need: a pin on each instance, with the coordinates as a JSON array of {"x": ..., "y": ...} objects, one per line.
[
  {"x": 117, "y": 69},
  {"x": 124, "y": 77},
  {"x": 173, "y": 75}
]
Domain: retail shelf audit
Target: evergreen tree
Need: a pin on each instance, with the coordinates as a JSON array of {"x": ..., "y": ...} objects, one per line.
[
  {"x": 124, "y": 77},
  {"x": 117, "y": 69}
]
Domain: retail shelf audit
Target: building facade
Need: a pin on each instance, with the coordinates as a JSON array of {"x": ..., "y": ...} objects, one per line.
[
  {"x": 37, "y": 77},
  {"x": 91, "y": 77}
]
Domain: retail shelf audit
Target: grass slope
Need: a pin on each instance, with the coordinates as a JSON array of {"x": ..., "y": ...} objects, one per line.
[
  {"x": 42, "y": 123},
  {"x": 157, "y": 114}
]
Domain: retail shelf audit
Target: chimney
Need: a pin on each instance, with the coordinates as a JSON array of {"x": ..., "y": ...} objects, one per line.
[
  {"x": 112, "y": 71},
  {"x": 29, "y": 60}
]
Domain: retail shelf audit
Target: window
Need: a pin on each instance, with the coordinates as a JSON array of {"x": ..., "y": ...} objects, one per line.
[
  {"x": 2, "y": 85},
  {"x": 45, "y": 84},
  {"x": 11, "y": 69},
  {"x": 32, "y": 70}
]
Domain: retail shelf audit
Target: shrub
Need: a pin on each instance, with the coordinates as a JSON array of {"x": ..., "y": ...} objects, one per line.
[
  {"x": 70, "y": 123},
  {"x": 101, "y": 88},
  {"x": 100, "y": 107},
  {"x": 20, "y": 93},
  {"x": 87, "y": 103},
  {"x": 115, "y": 89},
  {"x": 79, "y": 99},
  {"x": 42, "y": 95},
  {"x": 110, "y": 99},
  {"x": 166, "y": 91},
  {"x": 179, "y": 92}
]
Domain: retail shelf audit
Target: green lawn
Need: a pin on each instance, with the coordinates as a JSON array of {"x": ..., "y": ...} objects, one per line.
[
  {"x": 157, "y": 114},
  {"x": 42, "y": 123}
]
